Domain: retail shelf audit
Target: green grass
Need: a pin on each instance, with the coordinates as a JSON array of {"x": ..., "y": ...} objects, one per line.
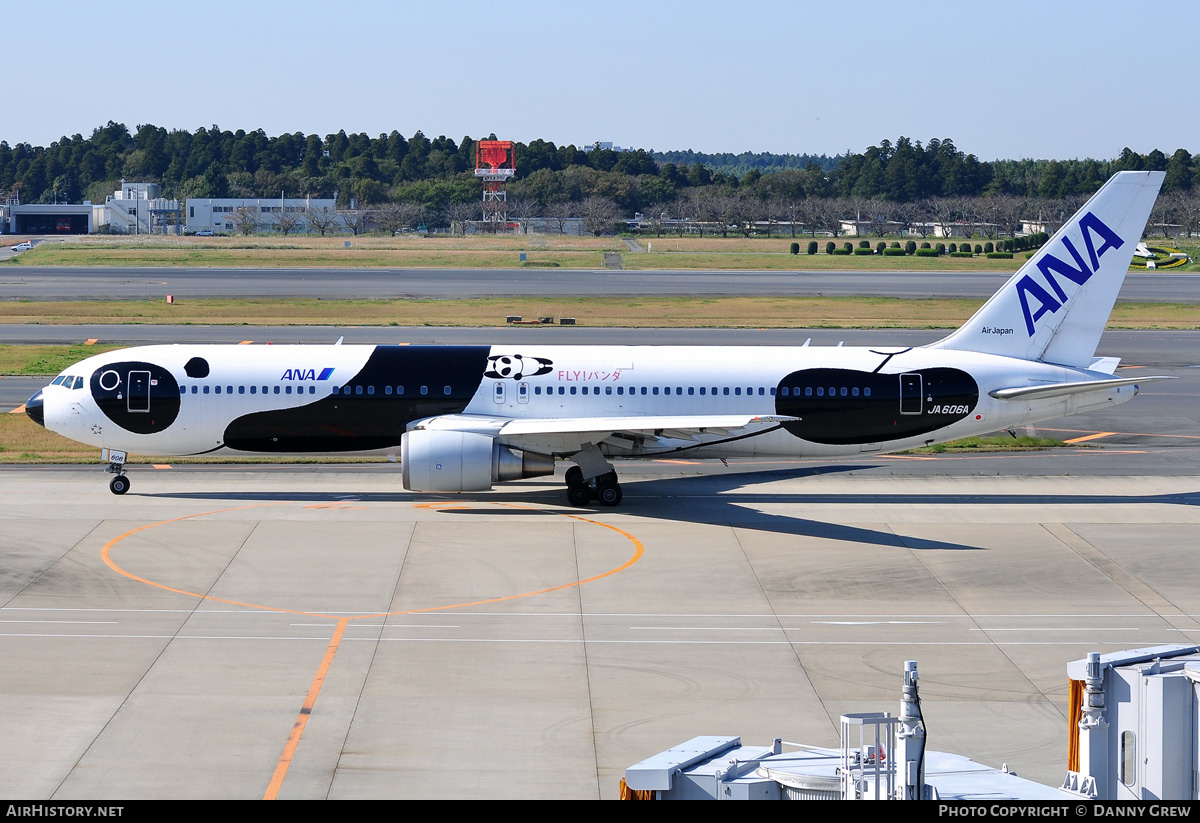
[
  {"x": 36, "y": 360},
  {"x": 997, "y": 443}
]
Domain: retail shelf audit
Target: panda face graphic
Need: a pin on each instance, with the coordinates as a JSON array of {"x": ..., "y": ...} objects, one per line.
[{"x": 502, "y": 366}]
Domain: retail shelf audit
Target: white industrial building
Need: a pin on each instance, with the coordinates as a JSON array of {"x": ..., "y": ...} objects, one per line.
[
  {"x": 140, "y": 208},
  {"x": 225, "y": 215}
]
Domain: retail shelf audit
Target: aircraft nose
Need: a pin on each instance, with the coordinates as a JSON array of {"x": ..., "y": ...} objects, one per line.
[{"x": 35, "y": 409}]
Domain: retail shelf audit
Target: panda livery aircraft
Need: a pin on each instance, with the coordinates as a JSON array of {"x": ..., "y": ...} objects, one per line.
[{"x": 462, "y": 418}]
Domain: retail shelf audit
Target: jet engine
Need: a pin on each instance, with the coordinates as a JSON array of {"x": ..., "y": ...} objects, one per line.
[{"x": 433, "y": 460}]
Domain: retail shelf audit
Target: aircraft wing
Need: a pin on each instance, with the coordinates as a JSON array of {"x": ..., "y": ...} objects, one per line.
[
  {"x": 564, "y": 434},
  {"x": 570, "y": 434},
  {"x": 671, "y": 425},
  {"x": 1063, "y": 389}
]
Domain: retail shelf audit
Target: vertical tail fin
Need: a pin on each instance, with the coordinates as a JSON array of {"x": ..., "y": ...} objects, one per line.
[{"x": 1056, "y": 306}]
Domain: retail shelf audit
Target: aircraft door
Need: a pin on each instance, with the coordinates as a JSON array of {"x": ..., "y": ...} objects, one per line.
[
  {"x": 522, "y": 392},
  {"x": 138, "y": 391},
  {"x": 910, "y": 393},
  {"x": 498, "y": 392}
]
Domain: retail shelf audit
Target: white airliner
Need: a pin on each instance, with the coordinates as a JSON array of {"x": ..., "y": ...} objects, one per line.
[{"x": 465, "y": 417}]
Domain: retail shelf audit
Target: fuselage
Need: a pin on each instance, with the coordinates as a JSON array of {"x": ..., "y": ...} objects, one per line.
[{"x": 340, "y": 400}]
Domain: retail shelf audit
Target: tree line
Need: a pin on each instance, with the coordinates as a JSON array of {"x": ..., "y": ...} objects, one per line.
[{"x": 436, "y": 174}]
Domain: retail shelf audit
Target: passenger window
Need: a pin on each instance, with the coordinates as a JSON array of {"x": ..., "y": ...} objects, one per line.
[
  {"x": 195, "y": 389},
  {"x": 691, "y": 390},
  {"x": 654, "y": 391},
  {"x": 678, "y": 391},
  {"x": 854, "y": 391},
  {"x": 772, "y": 391},
  {"x": 620, "y": 390},
  {"x": 808, "y": 391},
  {"x": 229, "y": 389},
  {"x": 218, "y": 389},
  {"x": 277, "y": 390},
  {"x": 562, "y": 390},
  {"x": 206, "y": 389},
  {"x": 737, "y": 390},
  {"x": 608, "y": 390},
  {"x": 424, "y": 390},
  {"x": 820, "y": 391},
  {"x": 399, "y": 390},
  {"x": 643, "y": 391},
  {"x": 312, "y": 389},
  {"x": 287, "y": 389},
  {"x": 585, "y": 389},
  {"x": 387, "y": 390},
  {"x": 867, "y": 392},
  {"x": 446, "y": 390},
  {"x": 572, "y": 390},
  {"x": 241, "y": 389},
  {"x": 843, "y": 392},
  {"x": 725, "y": 391},
  {"x": 370, "y": 390}
]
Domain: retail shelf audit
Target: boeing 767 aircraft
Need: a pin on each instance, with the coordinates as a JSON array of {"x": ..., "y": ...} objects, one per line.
[{"x": 462, "y": 418}]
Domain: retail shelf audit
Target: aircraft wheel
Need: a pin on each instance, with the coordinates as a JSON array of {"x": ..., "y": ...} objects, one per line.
[
  {"x": 574, "y": 477},
  {"x": 119, "y": 484},
  {"x": 609, "y": 494},
  {"x": 579, "y": 496}
]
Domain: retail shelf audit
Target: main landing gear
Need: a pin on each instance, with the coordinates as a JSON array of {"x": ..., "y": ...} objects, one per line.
[
  {"x": 604, "y": 489},
  {"x": 602, "y": 486}
]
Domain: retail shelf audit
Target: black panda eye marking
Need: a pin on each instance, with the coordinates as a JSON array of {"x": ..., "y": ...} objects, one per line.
[{"x": 502, "y": 366}]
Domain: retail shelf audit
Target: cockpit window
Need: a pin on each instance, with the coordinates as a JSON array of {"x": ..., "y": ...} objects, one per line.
[{"x": 58, "y": 380}]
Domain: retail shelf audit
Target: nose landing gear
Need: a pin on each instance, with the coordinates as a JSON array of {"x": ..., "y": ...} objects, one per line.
[
  {"x": 116, "y": 467},
  {"x": 119, "y": 484}
]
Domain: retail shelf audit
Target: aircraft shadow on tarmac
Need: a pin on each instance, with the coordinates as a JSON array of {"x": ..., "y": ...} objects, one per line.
[{"x": 700, "y": 500}]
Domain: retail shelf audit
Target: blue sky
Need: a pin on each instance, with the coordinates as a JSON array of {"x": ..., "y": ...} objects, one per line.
[{"x": 1055, "y": 78}]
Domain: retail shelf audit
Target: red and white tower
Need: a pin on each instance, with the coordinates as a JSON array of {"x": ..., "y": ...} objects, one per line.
[{"x": 495, "y": 163}]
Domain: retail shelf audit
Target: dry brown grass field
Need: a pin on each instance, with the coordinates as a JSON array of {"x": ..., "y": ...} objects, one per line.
[{"x": 733, "y": 253}]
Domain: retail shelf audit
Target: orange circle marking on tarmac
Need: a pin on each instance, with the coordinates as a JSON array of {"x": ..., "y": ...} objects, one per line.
[{"x": 314, "y": 690}]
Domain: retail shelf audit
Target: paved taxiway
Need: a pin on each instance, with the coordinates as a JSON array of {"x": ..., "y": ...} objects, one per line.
[
  {"x": 80, "y": 283},
  {"x": 165, "y": 644}
]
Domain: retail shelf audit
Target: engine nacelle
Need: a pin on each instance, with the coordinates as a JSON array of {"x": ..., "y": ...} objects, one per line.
[{"x": 433, "y": 460}]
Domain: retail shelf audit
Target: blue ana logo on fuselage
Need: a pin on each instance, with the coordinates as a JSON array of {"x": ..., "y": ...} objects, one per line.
[
  {"x": 1090, "y": 227},
  {"x": 306, "y": 374}
]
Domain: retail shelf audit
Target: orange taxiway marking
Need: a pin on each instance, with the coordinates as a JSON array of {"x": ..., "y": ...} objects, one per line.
[
  {"x": 1088, "y": 437},
  {"x": 18, "y": 409}
]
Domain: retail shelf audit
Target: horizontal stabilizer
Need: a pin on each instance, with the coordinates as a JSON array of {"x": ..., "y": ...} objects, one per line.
[{"x": 1064, "y": 389}]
